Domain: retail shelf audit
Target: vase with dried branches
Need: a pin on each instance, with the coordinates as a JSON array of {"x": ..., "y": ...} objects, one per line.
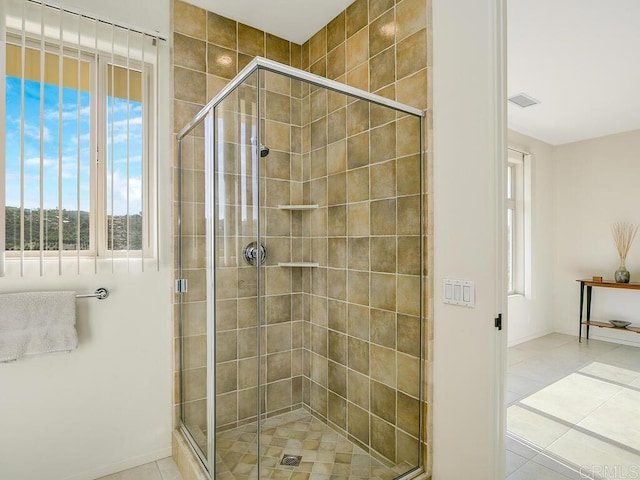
[{"x": 623, "y": 235}]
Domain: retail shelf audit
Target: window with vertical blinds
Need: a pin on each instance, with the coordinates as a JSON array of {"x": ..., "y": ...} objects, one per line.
[{"x": 80, "y": 140}]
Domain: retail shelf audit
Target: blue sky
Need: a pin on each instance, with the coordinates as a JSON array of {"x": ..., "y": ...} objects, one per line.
[{"x": 117, "y": 133}]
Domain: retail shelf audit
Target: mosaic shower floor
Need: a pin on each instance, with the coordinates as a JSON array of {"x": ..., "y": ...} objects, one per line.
[{"x": 325, "y": 453}]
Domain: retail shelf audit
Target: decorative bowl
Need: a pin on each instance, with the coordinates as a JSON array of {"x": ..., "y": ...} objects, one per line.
[{"x": 619, "y": 323}]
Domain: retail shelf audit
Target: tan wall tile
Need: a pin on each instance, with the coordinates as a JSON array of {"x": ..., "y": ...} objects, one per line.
[
  {"x": 383, "y": 328},
  {"x": 383, "y": 365},
  {"x": 412, "y": 54},
  {"x": 357, "y": 117},
  {"x": 357, "y": 16},
  {"x": 250, "y": 40},
  {"x": 278, "y": 49},
  {"x": 358, "y": 150},
  {"x": 358, "y": 185},
  {"x": 359, "y": 77},
  {"x": 221, "y": 31},
  {"x": 382, "y": 33},
  {"x": 320, "y": 67},
  {"x": 336, "y": 62},
  {"x": 190, "y": 85},
  {"x": 378, "y": 7},
  {"x": 337, "y": 379},
  {"x": 337, "y": 315},
  {"x": 358, "y": 321},
  {"x": 412, "y": 90},
  {"x": 357, "y": 218},
  {"x": 358, "y": 389},
  {"x": 359, "y": 253},
  {"x": 383, "y": 254},
  {"x": 411, "y": 16},
  {"x": 189, "y": 52},
  {"x": 336, "y": 31},
  {"x": 383, "y": 401},
  {"x": 383, "y": 69},
  {"x": 408, "y": 259},
  {"x": 358, "y": 351},
  {"x": 407, "y": 450},
  {"x": 383, "y": 291},
  {"x": 383, "y": 217},
  {"x": 383, "y": 176},
  {"x": 382, "y": 438},
  {"x": 189, "y": 20},
  {"x": 357, "y": 49},
  {"x": 226, "y": 377},
  {"x": 221, "y": 61},
  {"x": 318, "y": 46},
  {"x": 337, "y": 410},
  {"x": 337, "y": 284},
  {"x": 337, "y": 157},
  {"x": 358, "y": 422}
]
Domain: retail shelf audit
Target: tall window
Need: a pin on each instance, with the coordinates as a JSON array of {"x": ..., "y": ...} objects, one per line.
[
  {"x": 515, "y": 222},
  {"x": 80, "y": 145}
]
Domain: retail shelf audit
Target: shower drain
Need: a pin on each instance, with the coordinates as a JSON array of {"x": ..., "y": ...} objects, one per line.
[{"x": 291, "y": 460}]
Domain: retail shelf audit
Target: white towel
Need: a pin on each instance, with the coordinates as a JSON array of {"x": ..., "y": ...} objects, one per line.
[{"x": 37, "y": 322}]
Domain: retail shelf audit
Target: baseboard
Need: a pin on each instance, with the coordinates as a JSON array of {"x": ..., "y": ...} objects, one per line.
[
  {"x": 632, "y": 341},
  {"x": 123, "y": 465},
  {"x": 520, "y": 340}
]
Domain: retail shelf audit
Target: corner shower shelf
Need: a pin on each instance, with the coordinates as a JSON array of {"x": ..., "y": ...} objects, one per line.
[
  {"x": 299, "y": 264},
  {"x": 297, "y": 207}
]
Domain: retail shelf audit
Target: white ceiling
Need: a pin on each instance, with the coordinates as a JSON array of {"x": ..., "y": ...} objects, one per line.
[
  {"x": 581, "y": 59},
  {"x": 295, "y": 20}
]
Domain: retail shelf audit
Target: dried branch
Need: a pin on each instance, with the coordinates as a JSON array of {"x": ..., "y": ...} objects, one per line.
[{"x": 623, "y": 235}]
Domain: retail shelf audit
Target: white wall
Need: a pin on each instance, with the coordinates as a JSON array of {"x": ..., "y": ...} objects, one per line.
[
  {"x": 531, "y": 314},
  {"x": 597, "y": 184},
  {"x": 107, "y": 405},
  {"x": 469, "y": 144}
]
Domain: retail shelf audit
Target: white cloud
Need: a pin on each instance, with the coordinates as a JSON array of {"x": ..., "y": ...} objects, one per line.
[
  {"x": 33, "y": 131},
  {"x": 35, "y": 162},
  {"x": 68, "y": 113},
  {"x": 120, "y": 194}
]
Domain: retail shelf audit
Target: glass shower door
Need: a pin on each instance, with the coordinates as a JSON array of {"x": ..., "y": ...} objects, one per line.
[
  {"x": 192, "y": 264},
  {"x": 235, "y": 303}
]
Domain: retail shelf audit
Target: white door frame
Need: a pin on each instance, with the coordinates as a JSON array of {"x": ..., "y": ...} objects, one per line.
[{"x": 469, "y": 161}]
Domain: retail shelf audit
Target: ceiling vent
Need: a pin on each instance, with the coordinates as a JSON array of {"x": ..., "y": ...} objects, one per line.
[{"x": 523, "y": 100}]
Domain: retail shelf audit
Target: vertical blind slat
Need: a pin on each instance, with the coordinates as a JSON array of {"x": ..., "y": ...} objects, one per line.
[
  {"x": 60, "y": 142},
  {"x": 41, "y": 176},
  {"x": 111, "y": 154},
  {"x": 78, "y": 136},
  {"x": 23, "y": 41},
  {"x": 143, "y": 153},
  {"x": 3, "y": 50},
  {"x": 128, "y": 143},
  {"x": 93, "y": 161},
  {"x": 156, "y": 130}
]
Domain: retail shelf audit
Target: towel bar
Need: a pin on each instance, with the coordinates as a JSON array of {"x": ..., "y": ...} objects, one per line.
[{"x": 101, "y": 293}]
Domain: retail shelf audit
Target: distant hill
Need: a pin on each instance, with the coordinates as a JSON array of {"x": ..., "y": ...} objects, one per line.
[{"x": 72, "y": 220}]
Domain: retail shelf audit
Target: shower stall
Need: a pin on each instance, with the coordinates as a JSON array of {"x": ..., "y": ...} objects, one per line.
[{"x": 300, "y": 242}]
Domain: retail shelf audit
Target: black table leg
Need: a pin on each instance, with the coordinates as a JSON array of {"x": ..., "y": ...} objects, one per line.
[
  {"x": 588, "y": 309},
  {"x": 581, "y": 305}
]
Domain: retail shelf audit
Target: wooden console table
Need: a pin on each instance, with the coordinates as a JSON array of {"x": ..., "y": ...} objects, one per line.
[{"x": 604, "y": 284}]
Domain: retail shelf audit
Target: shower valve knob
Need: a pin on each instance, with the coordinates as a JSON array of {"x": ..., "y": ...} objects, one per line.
[{"x": 253, "y": 252}]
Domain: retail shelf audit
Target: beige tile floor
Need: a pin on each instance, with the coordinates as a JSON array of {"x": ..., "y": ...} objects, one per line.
[
  {"x": 325, "y": 453},
  {"x": 164, "y": 469},
  {"x": 573, "y": 410}
]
